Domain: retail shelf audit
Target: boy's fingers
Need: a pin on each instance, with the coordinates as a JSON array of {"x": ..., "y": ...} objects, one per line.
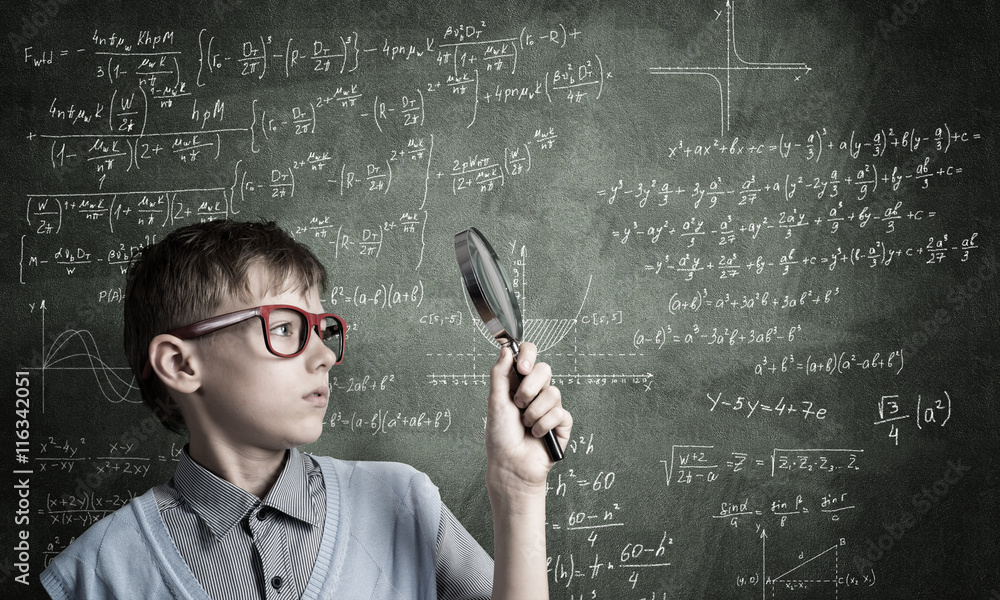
[
  {"x": 500, "y": 376},
  {"x": 503, "y": 365},
  {"x": 533, "y": 384},
  {"x": 555, "y": 419},
  {"x": 546, "y": 400},
  {"x": 527, "y": 353}
]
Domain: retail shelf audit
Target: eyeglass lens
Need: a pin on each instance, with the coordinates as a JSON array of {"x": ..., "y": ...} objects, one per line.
[{"x": 288, "y": 332}]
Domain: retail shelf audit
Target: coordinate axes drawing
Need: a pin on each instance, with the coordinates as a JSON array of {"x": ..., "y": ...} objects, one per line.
[{"x": 734, "y": 63}]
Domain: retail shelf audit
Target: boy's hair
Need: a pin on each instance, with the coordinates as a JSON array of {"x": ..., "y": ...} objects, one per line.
[{"x": 186, "y": 276}]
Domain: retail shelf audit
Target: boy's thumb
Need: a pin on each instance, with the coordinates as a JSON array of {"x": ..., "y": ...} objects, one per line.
[{"x": 500, "y": 374}]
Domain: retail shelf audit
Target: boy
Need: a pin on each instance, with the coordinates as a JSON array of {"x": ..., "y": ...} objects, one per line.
[{"x": 227, "y": 337}]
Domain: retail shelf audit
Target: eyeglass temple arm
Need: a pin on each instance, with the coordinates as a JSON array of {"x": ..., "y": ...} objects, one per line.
[
  {"x": 203, "y": 327},
  {"x": 214, "y": 323}
]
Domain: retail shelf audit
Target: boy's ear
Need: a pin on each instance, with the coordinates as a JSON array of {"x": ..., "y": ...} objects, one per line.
[{"x": 175, "y": 363}]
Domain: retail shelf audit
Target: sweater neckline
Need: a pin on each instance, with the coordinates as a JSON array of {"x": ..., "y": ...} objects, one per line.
[{"x": 182, "y": 580}]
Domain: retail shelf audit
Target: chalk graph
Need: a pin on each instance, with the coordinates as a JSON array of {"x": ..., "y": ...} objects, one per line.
[
  {"x": 817, "y": 576},
  {"x": 547, "y": 333},
  {"x": 734, "y": 62},
  {"x": 77, "y": 350}
]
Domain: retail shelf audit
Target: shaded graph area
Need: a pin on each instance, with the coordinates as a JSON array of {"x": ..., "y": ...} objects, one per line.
[
  {"x": 555, "y": 336},
  {"x": 545, "y": 333}
]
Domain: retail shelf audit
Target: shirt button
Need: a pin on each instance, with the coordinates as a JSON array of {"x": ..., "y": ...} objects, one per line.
[
  {"x": 262, "y": 514},
  {"x": 277, "y": 582}
]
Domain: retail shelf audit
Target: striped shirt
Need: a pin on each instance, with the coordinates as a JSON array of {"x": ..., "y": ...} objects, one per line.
[{"x": 239, "y": 546}]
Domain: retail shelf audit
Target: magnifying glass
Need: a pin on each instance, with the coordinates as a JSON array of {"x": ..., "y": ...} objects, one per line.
[{"x": 491, "y": 294}]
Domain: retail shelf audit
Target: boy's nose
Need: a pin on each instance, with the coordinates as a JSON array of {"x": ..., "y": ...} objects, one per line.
[{"x": 319, "y": 353}]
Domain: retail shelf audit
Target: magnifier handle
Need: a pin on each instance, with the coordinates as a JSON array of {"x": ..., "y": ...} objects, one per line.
[
  {"x": 549, "y": 439},
  {"x": 552, "y": 445}
]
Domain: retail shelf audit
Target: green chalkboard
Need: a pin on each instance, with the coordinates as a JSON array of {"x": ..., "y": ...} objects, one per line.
[{"x": 754, "y": 240}]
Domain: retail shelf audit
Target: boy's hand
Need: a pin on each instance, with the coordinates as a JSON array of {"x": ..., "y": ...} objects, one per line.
[{"x": 523, "y": 406}]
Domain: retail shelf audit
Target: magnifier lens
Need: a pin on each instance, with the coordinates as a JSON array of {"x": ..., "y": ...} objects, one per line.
[
  {"x": 495, "y": 286},
  {"x": 491, "y": 293}
]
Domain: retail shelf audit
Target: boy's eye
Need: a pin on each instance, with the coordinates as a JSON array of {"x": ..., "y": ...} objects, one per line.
[
  {"x": 282, "y": 329},
  {"x": 287, "y": 326}
]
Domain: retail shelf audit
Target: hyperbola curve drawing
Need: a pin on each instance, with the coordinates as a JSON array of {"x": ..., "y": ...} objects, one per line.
[{"x": 734, "y": 62}]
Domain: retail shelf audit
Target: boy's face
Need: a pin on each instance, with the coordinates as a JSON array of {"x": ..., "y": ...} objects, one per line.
[{"x": 251, "y": 399}]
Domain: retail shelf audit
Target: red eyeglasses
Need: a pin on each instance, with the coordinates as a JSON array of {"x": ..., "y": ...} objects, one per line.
[{"x": 286, "y": 330}]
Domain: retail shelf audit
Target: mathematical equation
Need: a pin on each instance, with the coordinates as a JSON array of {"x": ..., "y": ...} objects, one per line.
[
  {"x": 716, "y": 336},
  {"x": 830, "y": 506},
  {"x": 934, "y": 411},
  {"x": 385, "y": 421},
  {"x": 811, "y": 148},
  {"x": 700, "y": 299},
  {"x": 747, "y": 407},
  {"x": 476, "y": 69},
  {"x": 866, "y": 208},
  {"x": 749, "y": 191},
  {"x": 704, "y": 464},
  {"x": 632, "y": 559},
  {"x": 880, "y": 254},
  {"x": 836, "y": 363}
]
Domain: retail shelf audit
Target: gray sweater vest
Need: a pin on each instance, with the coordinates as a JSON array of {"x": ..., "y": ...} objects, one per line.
[{"x": 379, "y": 541}]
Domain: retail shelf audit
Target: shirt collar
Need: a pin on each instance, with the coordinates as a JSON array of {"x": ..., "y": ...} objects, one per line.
[{"x": 221, "y": 505}]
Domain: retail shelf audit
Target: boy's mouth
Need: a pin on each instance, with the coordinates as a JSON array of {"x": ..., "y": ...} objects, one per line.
[{"x": 318, "y": 396}]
